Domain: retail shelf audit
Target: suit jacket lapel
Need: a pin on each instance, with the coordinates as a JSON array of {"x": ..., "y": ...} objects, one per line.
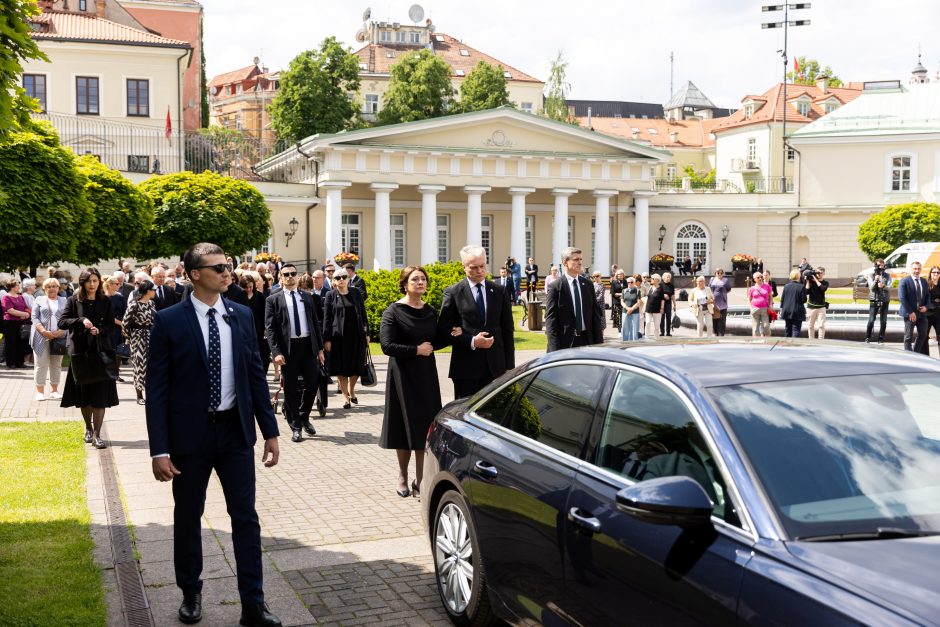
[
  {"x": 465, "y": 292},
  {"x": 234, "y": 330},
  {"x": 285, "y": 319},
  {"x": 195, "y": 331}
]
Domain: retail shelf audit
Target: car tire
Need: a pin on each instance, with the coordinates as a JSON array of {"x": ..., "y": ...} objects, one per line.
[{"x": 458, "y": 567}]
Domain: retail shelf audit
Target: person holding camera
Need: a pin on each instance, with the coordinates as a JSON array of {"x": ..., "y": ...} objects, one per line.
[
  {"x": 515, "y": 273},
  {"x": 879, "y": 295},
  {"x": 816, "y": 287}
]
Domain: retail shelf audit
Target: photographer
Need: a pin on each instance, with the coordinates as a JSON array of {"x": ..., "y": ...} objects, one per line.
[
  {"x": 816, "y": 287},
  {"x": 879, "y": 295},
  {"x": 515, "y": 273}
]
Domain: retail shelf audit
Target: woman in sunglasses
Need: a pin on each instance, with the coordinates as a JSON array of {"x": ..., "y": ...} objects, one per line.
[{"x": 345, "y": 335}]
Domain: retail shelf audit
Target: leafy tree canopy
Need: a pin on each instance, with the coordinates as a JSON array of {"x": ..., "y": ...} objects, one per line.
[
  {"x": 122, "y": 214},
  {"x": 43, "y": 208},
  {"x": 419, "y": 89},
  {"x": 15, "y": 47},
  {"x": 884, "y": 232},
  {"x": 556, "y": 91},
  {"x": 312, "y": 97},
  {"x": 382, "y": 286},
  {"x": 204, "y": 207},
  {"x": 809, "y": 71},
  {"x": 484, "y": 88}
]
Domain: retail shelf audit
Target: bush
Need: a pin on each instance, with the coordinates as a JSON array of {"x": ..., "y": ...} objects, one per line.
[
  {"x": 881, "y": 234},
  {"x": 382, "y": 286}
]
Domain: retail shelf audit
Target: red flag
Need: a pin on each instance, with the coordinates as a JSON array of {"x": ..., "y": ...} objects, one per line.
[
  {"x": 796, "y": 66},
  {"x": 168, "y": 131}
]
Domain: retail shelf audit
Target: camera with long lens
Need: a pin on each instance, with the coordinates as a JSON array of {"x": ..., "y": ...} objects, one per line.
[{"x": 809, "y": 273}]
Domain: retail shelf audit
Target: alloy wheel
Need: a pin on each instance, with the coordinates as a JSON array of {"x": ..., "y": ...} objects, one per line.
[{"x": 453, "y": 554}]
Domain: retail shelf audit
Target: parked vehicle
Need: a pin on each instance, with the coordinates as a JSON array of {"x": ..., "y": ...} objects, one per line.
[
  {"x": 898, "y": 263},
  {"x": 780, "y": 482}
]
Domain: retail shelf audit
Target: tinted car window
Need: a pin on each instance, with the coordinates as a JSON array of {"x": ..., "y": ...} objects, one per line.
[
  {"x": 558, "y": 407},
  {"x": 497, "y": 407}
]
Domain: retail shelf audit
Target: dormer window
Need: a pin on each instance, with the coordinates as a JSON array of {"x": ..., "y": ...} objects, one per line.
[
  {"x": 459, "y": 72},
  {"x": 748, "y": 111},
  {"x": 830, "y": 106},
  {"x": 507, "y": 75},
  {"x": 803, "y": 106},
  {"x": 464, "y": 52}
]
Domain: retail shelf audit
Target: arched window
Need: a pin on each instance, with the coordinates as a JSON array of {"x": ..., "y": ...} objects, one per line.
[{"x": 692, "y": 241}]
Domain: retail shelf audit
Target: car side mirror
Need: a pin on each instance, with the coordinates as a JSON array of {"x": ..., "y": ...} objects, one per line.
[{"x": 676, "y": 500}]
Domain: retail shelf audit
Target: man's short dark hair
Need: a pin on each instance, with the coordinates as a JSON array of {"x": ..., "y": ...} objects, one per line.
[
  {"x": 288, "y": 265},
  {"x": 879, "y": 261},
  {"x": 194, "y": 256}
]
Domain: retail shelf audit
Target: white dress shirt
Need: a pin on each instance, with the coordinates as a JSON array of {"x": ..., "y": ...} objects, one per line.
[
  {"x": 225, "y": 337},
  {"x": 572, "y": 286},
  {"x": 473, "y": 292},
  {"x": 304, "y": 331}
]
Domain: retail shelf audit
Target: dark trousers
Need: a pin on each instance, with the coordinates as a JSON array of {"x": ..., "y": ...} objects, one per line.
[
  {"x": 665, "y": 323},
  {"x": 301, "y": 362},
  {"x": 874, "y": 309},
  {"x": 918, "y": 344},
  {"x": 15, "y": 346},
  {"x": 469, "y": 387},
  {"x": 792, "y": 328},
  {"x": 721, "y": 323},
  {"x": 223, "y": 449}
]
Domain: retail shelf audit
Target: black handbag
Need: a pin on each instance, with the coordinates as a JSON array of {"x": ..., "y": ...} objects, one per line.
[
  {"x": 676, "y": 322},
  {"x": 59, "y": 346},
  {"x": 96, "y": 365},
  {"x": 368, "y": 377},
  {"x": 24, "y": 331}
]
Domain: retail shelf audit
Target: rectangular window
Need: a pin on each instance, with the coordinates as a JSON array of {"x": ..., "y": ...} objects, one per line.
[
  {"x": 486, "y": 236},
  {"x": 416, "y": 38},
  {"x": 138, "y": 163},
  {"x": 443, "y": 239},
  {"x": 350, "y": 232},
  {"x": 400, "y": 37},
  {"x": 86, "y": 95},
  {"x": 570, "y": 230},
  {"x": 529, "y": 234},
  {"x": 671, "y": 171},
  {"x": 82, "y": 5},
  {"x": 397, "y": 241},
  {"x": 791, "y": 154},
  {"x": 386, "y": 36},
  {"x": 526, "y": 106},
  {"x": 138, "y": 97},
  {"x": 803, "y": 108},
  {"x": 35, "y": 86},
  {"x": 901, "y": 174},
  {"x": 751, "y": 152},
  {"x": 371, "y": 104}
]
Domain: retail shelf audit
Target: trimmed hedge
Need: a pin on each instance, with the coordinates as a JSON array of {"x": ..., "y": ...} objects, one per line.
[{"x": 382, "y": 286}]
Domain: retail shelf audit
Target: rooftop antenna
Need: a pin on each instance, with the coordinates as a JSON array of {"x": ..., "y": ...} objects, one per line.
[{"x": 672, "y": 66}]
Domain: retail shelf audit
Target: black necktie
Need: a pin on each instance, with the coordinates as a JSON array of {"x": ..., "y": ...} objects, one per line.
[
  {"x": 160, "y": 292},
  {"x": 481, "y": 306},
  {"x": 293, "y": 297},
  {"x": 578, "y": 316},
  {"x": 215, "y": 362}
]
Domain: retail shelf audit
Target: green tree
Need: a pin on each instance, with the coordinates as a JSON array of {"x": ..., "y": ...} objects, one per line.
[
  {"x": 556, "y": 91},
  {"x": 382, "y": 286},
  {"x": 43, "y": 207},
  {"x": 700, "y": 180},
  {"x": 809, "y": 71},
  {"x": 419, "y": 89},
  {"x": 881, "y": 234},
  {"x": 484, "y": 88},
  {"x": 122, "y": 214},
  {"x": 312, "y": 97},
  {"x": 15, "y": 47},
  {"x": 204, "y": 207}
]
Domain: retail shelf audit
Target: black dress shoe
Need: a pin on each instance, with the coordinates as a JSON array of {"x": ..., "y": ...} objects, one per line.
[
  {"x": 308, "y": 428},
  {"x": 258, "y": 616},
  {"x": 296, "y": 437},
  {"x": 191, "y": 609},
  {"x": 320, "y": 408}
]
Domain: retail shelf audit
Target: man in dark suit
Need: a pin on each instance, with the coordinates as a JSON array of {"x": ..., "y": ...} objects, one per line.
[
  {"x": 572, "y": 316},
  {"x": 504, "y": 280},
  {"x": 531, "y": 278},
  {"x": 165, "y": 296},
  {"x": 913, "y": 294},
  {"x": 205, "y": 391},
  {"x": 355, "y": 280},
  {"x": 485, "y": 348},
  {"x": 125, "y": 287},
  {"x": 293, "y": 328}
]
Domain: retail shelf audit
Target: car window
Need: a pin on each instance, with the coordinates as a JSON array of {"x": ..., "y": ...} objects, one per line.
[
  {"x": 496, "y": 408},
  {"x": 558, "y": 407},
  {"x": 648, "y": 432}
]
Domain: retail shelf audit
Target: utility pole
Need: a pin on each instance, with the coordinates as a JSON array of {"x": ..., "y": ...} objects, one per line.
[
  {"x": 785, "y": 24},
  {"x": 672, "y": 66}
]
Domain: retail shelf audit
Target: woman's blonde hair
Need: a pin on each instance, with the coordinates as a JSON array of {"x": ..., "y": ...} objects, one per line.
[
  {"x": 50, "y": 282},
  {"x": 794, "y": 275}
]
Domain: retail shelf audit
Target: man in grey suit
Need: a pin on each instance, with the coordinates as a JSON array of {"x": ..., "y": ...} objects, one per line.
[{"x": 572, "y": 315}]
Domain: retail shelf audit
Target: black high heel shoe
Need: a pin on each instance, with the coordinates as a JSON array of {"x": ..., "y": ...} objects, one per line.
[
  {"x": 415, "y": 492},
  {"x": 403, "y": 493}
]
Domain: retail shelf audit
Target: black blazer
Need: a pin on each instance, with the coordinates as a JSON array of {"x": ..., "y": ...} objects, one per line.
[
  {"x": 532, "y": 272},
  {"x": 358, "y": 283},
  {"x": 71, "y": 320},
  {"x": 793, "y": 301},
  {"x": 334, "y": 317},
  {"x": 459, "y": 309},
  {"x": 170, "y": 298},
  {"x": 560, "y": 318},
  {"x": 277, "y": 323}
]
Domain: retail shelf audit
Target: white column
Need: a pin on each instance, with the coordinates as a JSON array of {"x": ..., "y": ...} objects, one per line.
[
  {"x": 382, "y": 254},
  {"x": 601, "y": 261},
  {"x": 475, "y": 213},
  {"x": 641, "y": 231},
  {"x": 334, "y": 211},
  {"x": 560, "y": 235},
  {"x": 429, "y": 222},
  {"x": 517, "y": 223}
]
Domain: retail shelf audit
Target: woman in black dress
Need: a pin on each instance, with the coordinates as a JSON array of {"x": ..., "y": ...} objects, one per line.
[
  {"x": 412, "y": 390},
  {"x": 249, "y": 283},
  {"x": 89, "y": 318},
  {"x": 345, "y": 335}
]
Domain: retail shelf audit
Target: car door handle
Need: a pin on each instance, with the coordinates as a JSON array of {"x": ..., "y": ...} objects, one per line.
[
  {"x": 486, "y": 469},
  {"x": 588, "y": 523}
]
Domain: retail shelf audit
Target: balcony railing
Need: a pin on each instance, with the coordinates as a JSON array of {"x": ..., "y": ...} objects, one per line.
[
  {"x": 772, "y": 185},
  {"x": 147, "y": 149}
]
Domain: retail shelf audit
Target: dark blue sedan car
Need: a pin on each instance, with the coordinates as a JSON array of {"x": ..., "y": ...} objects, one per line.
[{"x": 780, "y": 483}]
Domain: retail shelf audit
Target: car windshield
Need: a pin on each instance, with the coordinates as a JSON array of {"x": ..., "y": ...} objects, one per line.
[{"x": 843, "y": 455}]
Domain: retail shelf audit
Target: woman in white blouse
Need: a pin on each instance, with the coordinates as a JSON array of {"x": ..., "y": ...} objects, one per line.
[
  {"x": 46, "y": 312},
  {"x": 702, "y": 304}
]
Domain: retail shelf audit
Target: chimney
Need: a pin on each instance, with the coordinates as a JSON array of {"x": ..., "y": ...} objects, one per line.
[
  {"x": 45, "y": 5},
  {"x": 99, "y": 7},
  {"x": 674, "y": 137},
  {"x": 589, "y": 118},
  {"x": 822, "y": 83}
]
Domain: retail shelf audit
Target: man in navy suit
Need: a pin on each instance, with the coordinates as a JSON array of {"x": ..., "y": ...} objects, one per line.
[
  {"x": 481, "y": 309},
  {"x": 572, "y": 315},
  {"x": 205, "y": 391},
  {"x": 913, "y": 294},
  {"x": 504, "y": 280}
]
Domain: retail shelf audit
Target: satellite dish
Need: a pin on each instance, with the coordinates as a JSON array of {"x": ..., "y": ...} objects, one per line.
[
  {"x": 416, "y": 13},
  {"x": 367, "y": 14},
  {"x": 361, "y": 35}
]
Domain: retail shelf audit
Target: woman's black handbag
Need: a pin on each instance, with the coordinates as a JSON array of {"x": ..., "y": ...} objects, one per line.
[
  {"x": 676, "y": 322},
  {"x": 59, "y": 346},
  {"x": 24, "y": 331},
  {"x": 368, "y": 377},
  {"x": 96, "y": 365}
]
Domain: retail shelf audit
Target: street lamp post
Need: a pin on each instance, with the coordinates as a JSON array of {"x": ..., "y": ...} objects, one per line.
[
  {"x": 785, "y": 24},
  {"x": 288, "y": 236},
  {"x": 662, "y": 235}
]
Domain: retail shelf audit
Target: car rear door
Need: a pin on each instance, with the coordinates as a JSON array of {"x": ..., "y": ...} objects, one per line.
[{"x": 619, "y": 568}]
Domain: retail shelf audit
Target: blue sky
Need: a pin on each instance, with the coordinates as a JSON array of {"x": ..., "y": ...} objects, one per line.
[{"x": 616, "y": 49}]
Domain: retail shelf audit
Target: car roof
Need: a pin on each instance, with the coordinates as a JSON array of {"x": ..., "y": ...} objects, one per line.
[{"x": 710, "y": 363}]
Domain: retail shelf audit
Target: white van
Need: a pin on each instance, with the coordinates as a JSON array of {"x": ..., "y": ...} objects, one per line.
[{"x": 898, "y": 263}]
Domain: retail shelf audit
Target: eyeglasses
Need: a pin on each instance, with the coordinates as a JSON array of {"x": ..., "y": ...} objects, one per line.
[
  {"x": 218, "y": 268},
  {"x": 935, "y": 272},
  {"x": 285, "y": 274},
  {"x": 330, "y": 271},
  {"x": 341, "y": 278},
  {"x": 720, "y": 272}
]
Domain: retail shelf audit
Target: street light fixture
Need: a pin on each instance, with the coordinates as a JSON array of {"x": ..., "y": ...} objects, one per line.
[
  {"x": 724, "y": 235},
  {"x": 293, "y": 224},
  {"x": 785, "y": 24},
  {"x": 662, "y": 235}
]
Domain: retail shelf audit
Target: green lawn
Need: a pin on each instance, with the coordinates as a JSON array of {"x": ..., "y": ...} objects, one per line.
[
  {"x": 843, "y": 296},
  {"x": 46, "y": 568},
  {"x": 523, "y": 338}
]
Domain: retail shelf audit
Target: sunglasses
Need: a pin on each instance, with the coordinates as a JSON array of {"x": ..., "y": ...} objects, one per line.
[
  {"x": 341, "y": 278},
  {"x": 288, "y": 274},
  {"x": 218, "y": 268}
]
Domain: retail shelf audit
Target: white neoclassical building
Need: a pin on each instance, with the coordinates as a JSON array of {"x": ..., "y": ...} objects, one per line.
[{"x": 518, "y": 184}]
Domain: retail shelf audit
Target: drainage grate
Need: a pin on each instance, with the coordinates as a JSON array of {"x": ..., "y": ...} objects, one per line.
[{"x": 130, "y": 585}]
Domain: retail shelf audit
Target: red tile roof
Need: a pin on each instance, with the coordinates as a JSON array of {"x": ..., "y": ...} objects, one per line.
[
  {"x": 67, "y": 26},
  {"x": 773, "y": 98},
  {"x": 235, "y": 76},
  {"x": 378, "y": 62},
  {"x": 691, "y": 133}
]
